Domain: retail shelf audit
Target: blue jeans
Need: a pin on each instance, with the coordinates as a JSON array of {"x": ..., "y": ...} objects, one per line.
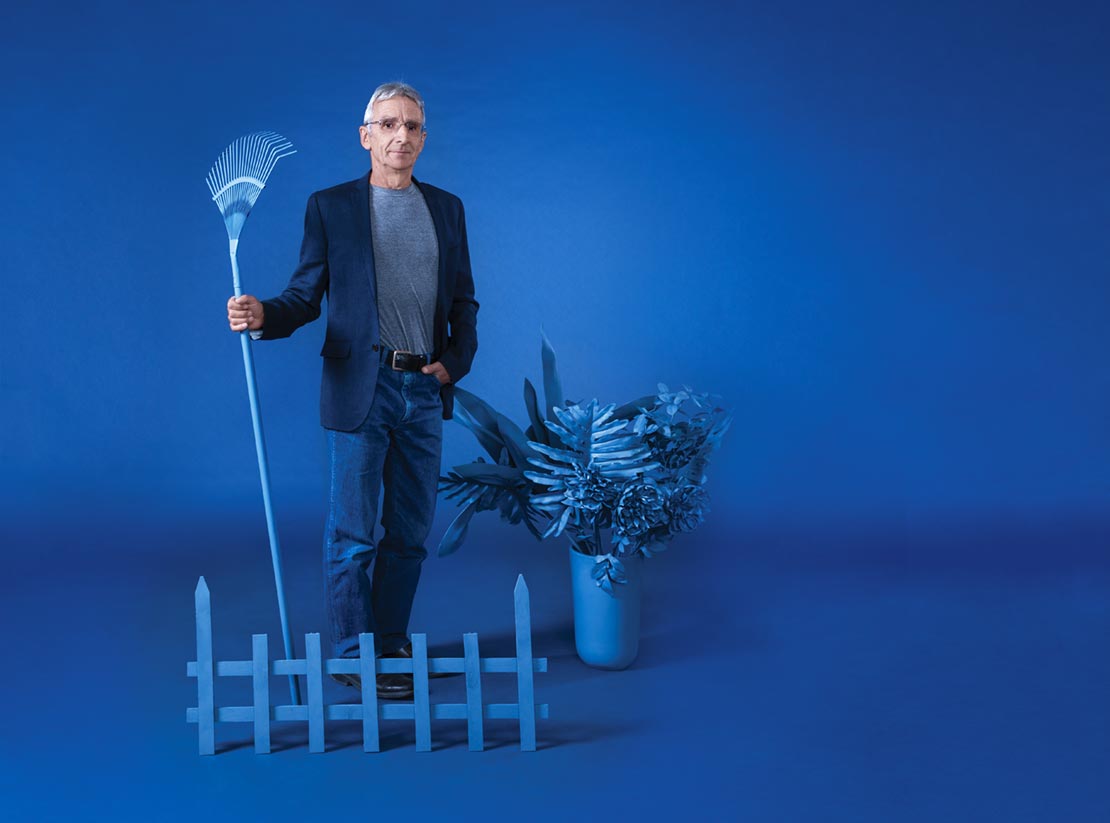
[{"x": 397, "y": 447}]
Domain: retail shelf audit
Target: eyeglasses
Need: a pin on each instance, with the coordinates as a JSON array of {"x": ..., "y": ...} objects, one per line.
[{"x": 391, "y": 125}]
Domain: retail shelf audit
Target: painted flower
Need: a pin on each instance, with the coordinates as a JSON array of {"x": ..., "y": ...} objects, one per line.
[
  {"x": 590, "y": 494},
  {"x": 640, "y": 508},
  {"x": 686, "y": 507}
]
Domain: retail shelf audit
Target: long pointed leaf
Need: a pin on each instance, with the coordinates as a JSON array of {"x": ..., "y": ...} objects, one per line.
[
  {"x": 605, "y": 456},
  {"x": 529, "y": 513},
  {"x": 562, "y": 455},
  {"x": 510, "y": 433},
  {"x": 491, "y": 474},
  {"x": 629, "y": 472},
  {"x": 456, "y": 533},
  {"x": 633, "y": 408},
  {"x": 532, "y": 404},
  {"x": 609, "y": 430},
  {"x": 561, "y": 433},
  {"x": 487, "y": 435},
  {"x": 552, "y": 385}
]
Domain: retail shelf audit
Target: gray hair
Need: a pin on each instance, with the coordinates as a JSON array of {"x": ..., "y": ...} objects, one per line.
[{"x": 387, "y": 91}]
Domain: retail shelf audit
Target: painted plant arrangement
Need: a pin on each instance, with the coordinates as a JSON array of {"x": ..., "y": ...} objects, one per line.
[{"x": 616, "y": 481}]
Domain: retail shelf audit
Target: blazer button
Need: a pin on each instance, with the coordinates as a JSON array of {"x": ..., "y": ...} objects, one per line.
[{"x": 375, "y": 347}]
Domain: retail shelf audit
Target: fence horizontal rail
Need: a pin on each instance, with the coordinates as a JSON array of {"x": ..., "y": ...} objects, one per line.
[
  {"x": 389, "y": 665},
  {"x": 354, "y": 711}
]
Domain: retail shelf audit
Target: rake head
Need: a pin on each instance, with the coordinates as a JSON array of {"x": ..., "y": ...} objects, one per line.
[{"x": 240, "y": 175}]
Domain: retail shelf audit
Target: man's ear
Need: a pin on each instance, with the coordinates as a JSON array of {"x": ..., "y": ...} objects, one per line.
[{"x": 364, "y": 137}]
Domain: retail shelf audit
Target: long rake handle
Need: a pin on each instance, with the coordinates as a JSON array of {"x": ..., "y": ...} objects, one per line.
[{"x": 264, "y": 475}]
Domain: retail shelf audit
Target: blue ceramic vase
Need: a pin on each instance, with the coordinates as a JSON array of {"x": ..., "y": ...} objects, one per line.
[{"x": 606, "y": 626}]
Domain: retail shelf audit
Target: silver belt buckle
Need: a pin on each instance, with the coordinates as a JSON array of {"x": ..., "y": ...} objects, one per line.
[{"x": 393, "y": 360}]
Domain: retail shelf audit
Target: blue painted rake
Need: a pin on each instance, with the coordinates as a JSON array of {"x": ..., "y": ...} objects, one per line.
[{"x": 236, "y": 181}]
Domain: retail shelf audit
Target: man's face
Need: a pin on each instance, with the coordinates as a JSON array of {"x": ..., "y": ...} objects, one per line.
[{"x": 399, "y": 148}]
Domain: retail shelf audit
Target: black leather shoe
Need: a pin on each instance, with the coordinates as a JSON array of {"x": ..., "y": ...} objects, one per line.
[
  {"x": 395, "y": 686},
  {"x": 406, "y": 651},
  {"x": 352, "y": 680},
  {"x": 390, "y": 686}
]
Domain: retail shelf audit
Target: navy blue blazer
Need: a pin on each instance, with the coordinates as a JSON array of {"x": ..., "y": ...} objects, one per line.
[{"x": 337, "y": 259}]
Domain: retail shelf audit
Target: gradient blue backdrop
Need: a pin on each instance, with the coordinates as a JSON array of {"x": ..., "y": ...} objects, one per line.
[{"x": 878, "y": 230}]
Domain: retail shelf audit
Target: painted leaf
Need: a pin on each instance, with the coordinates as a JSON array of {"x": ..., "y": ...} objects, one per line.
[
  {"x": 456, "y": 533},
  {"x": 536, "y": 431},
  {"x": 552, "y": 385},
  {"x": 487, "y": 434}
]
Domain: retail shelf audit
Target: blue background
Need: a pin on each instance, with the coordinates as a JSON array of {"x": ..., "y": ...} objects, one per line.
[{"x": 878, "y": 230}]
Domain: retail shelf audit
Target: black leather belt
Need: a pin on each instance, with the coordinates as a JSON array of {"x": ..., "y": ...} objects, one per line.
[{"x": 404, "y": 360}]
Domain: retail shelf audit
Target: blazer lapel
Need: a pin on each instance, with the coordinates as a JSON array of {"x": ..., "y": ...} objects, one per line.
[
  {"x": 364, "y": 239},
  {"x": 441, "y": 236}
]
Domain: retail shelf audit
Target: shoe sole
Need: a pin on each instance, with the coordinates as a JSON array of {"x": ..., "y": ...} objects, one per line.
[{"x": 347, "y": 680}]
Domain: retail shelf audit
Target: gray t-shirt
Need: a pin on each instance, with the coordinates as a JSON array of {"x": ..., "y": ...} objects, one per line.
[{"x": 406, "y": 261}]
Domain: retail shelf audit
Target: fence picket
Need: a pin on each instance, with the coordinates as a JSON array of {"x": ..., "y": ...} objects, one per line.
[
  {"x": 261, "y": 681},
  {"x": 474, "y": 732},
  {"x": 366, "y": 667},
  {"x": 206, "y": 699},
  {"x": 524, "y": 676},
  {"x": 420, "y": 693},
  {"x": 315, "y": 693}
]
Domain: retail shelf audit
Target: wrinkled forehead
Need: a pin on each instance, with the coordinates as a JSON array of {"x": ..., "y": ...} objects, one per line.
[{"x": 399, "y": 107}]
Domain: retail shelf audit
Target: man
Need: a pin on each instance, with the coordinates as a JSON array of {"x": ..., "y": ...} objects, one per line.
[{"x": 391, "y": 255}]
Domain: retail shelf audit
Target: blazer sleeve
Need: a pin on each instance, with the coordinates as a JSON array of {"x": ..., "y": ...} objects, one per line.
[
  {"x": 462, "y": 317},
  {"x": 300, "y": 302}
]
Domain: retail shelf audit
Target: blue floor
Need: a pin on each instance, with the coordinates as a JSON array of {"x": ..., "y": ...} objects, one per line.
[{"x": 786, "y": 673}]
